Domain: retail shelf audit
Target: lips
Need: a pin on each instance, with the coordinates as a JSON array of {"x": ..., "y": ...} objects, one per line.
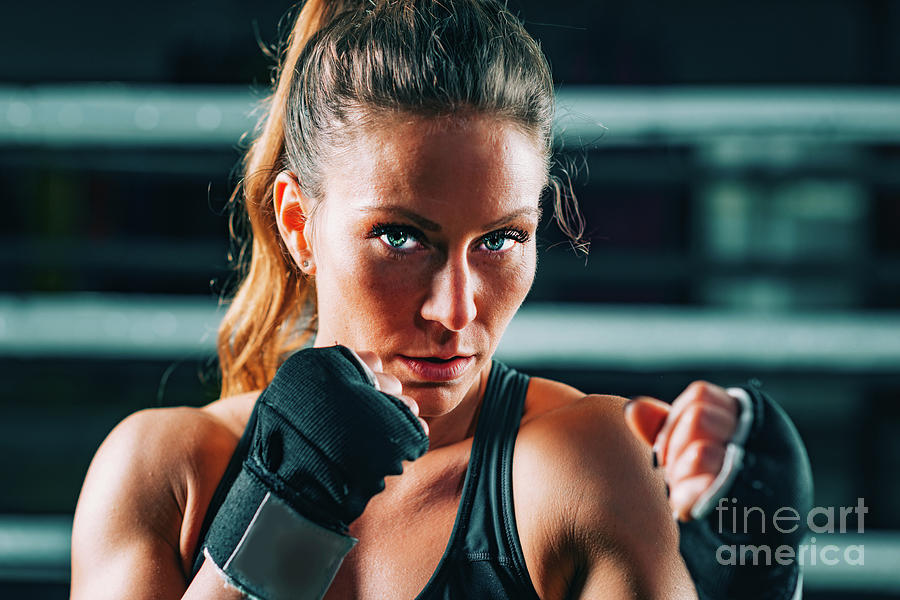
[{"x": 437, "y": 368}]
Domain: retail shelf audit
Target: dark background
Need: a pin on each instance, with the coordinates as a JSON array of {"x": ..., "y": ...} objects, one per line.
[{"x": 819, "y": 217}]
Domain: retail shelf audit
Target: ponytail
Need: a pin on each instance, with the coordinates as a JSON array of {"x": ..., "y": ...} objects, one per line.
[{"x": 273, "y": 311}]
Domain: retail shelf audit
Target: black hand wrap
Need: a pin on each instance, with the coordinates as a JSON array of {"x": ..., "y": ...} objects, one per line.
[
  {"x": 323, "y": 442},
  {"x": 325, "y": 438},
  {"x": 775, "y": 474}
]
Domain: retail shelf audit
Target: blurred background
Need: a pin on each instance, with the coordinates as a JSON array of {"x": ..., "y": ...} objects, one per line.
[{"x": 737, "y": 163}]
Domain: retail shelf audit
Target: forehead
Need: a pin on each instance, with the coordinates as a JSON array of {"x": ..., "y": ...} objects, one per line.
[{"x": 474, "y": 166}]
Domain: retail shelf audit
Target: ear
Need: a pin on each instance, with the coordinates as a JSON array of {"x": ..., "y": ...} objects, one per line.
[{"x": 290, "y": 215}]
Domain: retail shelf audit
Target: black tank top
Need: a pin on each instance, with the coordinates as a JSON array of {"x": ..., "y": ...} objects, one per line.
[{"x": 483, "y": 559}]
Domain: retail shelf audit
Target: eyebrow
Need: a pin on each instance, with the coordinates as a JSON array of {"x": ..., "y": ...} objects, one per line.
[{"x": 429, "y": 225}]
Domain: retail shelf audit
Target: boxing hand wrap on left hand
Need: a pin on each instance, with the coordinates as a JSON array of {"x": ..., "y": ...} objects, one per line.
[{"x": 773, "y": 474}]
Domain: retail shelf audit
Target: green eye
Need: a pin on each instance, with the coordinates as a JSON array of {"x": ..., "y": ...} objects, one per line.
[
  {"x": 495, "y": 241},
  {"x": 396, "y": 238}
]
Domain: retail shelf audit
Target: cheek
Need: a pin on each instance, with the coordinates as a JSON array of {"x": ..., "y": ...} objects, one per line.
[
  {"x": 386, "y": 286},
  {"x": 504, "y": 288}
]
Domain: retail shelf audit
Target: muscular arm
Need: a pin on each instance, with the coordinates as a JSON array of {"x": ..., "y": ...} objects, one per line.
[
  {"x": 131, "y": 533},
  {"x": 610, "y": 506}
]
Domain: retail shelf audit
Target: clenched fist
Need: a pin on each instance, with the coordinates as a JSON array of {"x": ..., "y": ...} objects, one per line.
[{"x": 690, "y": 440}]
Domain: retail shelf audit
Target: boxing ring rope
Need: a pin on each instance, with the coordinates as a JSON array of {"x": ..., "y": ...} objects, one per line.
[
  {"x": 544, "y": 335},
  {"x": 36, "y": 548},
  {"x": 115, "y": 114}
]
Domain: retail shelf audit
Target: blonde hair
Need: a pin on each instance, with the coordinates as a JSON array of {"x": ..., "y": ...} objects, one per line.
[
  {"x": 256, "y": 331},
  {"x": 345, "y": 64}
]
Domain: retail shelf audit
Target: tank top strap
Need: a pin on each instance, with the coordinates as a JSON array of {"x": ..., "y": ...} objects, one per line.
[{"x": 487, "y": 519}]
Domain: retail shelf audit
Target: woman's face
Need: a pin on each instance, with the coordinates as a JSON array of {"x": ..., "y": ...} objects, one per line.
[{"x": 424, "y": 248}]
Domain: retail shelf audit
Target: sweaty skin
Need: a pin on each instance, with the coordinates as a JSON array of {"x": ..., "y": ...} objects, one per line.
[{"x": 423, "y": 246}]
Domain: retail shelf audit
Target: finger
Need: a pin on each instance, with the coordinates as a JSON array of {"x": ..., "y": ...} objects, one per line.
[
  {"x": 414, "y": 407},
  {"x": 698, "y": 391},
  {"x": 371, "y": 359},
  {"x": 685, "y": 494},
  {"x": 389, "y": 384},
  {"x": 409, "y": 402},
  {"x": 645, "y": 417},
  {"x": 700, "y": 422},
  {"x": 699, "y": 458}
]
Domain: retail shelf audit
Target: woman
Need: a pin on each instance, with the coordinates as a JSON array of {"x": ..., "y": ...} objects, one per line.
[{"x": 393, "y": 194}]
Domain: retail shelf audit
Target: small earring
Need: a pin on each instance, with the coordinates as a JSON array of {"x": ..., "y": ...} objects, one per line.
[{"x": 305, "y": 264}]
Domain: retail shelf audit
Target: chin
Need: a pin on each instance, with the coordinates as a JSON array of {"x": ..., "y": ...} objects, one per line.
[{"x": 434, "y": 400}]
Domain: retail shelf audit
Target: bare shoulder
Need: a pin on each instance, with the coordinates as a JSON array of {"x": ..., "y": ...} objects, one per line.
[
  {"x": 581, "y": 450},
  {"x": 545, "y": 395},
  {"x": 586, "y": 441},
  {"x": 604, "y": 509},
  {"x": 561, "y": 415},
  {"x": 144, "y": 498}
]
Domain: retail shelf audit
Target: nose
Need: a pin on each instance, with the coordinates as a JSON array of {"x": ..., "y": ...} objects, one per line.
[{"x": 451, "y": 299}]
